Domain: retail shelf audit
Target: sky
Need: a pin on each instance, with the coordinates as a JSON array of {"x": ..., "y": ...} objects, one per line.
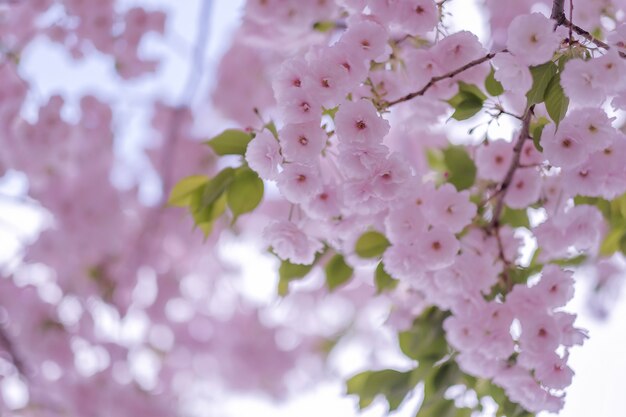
[{"x": 600, "y": 365}]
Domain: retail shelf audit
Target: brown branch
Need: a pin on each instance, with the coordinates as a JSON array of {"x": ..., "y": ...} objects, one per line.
[
  {"x": 438, "y": 78},
  {"x": 517, "y": 154},
  {"x": 558, "y": 12},
  {"x": 571, "y": 17},
  {"x": 558, "y": 15},
  {"x": 588, "y": 36}
]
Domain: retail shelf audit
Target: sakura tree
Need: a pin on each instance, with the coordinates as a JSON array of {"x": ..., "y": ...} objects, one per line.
[{"x": 382, "y": 158}]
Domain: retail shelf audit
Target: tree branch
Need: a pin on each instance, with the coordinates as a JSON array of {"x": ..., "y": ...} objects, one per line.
[
  {"x": 558, "y": 12},
  {"x": 582, "y": 32},
  {"x": 438, "y": 78},
  {"x": 517, "y": 153},
  {"x": 558, "y": 15}
]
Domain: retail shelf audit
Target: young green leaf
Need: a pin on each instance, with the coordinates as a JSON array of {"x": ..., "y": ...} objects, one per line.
[
  {"x": 460, "y": 167},
  {"x": 338, "y": 272},
  {"x": 556, "y": 100},
  {"x": 245, "y": 192},
  {"x": 536, "y": 129},
  {"x": 181, "y": 194},
  {"x": 384, "y": 281},
  {"x": 290, "y": 272},
  {"x": 515, "y": 218},
  {"x": 393, "y": 385},
  {"x": 425, "y": 341},
  {"x": 542, "y": 75},
  {"x": 204, "y": 216},
  {"x": 230, "y": 142},
  {"x": 467, "y": 102},
  {"x": 472, "y": 89},
  {"x": 216, "y": 187},
  {"x": 493, "y": 86},
  {"x": 371, "y": 245}
]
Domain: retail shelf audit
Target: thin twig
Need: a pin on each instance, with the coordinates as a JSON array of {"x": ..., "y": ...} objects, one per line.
[
  {"x": 517, "y": 153},
  {"x": 558, "y": 15},
  {"x": 571, "y": 17},
  {"x": 438, "y": 78},
  {"x": 588, "y": 36}
]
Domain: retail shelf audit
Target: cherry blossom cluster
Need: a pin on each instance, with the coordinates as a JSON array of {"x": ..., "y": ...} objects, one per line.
[
  {"x": 352, "y": 109},
  {"x": 357, "y": 113}
]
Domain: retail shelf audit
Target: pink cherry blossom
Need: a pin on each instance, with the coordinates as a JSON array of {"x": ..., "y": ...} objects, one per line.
[
  {"x": 582, "y": 83},
  {"x": 298, "y": 182},
  {"x": 565, "y": 147},
  {"x": 263, "y": 155},
  {"x": 365, "y": 38},
  {"x": 291, "y": 243},
  {"x": 449, "y": 208},
  {"x": 532, "y": 38},
  {"x": 438, "y": 248},
  {"x": 493, "y": 159},
  {"x": 513, "y": 73},
  {"x": 418, "y": 16},
  {"x": 525, "y": 188},
  {"x": 359, "y": 122},
  {"x": 302, "y": 142}
]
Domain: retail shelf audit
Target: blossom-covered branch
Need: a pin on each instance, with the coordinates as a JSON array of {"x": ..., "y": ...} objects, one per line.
[
  {"x": 517, "y": 152},
  {"x": 451, "y": 74},
  {"x": 558, "y": 15}
]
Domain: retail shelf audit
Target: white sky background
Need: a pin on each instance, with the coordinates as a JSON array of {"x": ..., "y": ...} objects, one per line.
[{"x": 600, "y": 365}]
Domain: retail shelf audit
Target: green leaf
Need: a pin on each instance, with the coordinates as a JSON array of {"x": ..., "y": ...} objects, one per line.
[
  {"x": 181, "y": 194},
  {"x": 357, "y": 385},
  {"x": 493, "y": 86},
  {"x": 245, "y": 192},
  {"x": 542, "y": 75},
  {"x": 434, "y": 157},
  {"x": 611, "y": 243},
  {"x": 371, "y": 245},
  {"x": 515, "y": 218},
  {"x": 467, "y": 102},
  {"x": 472, "y": 89},
  {"x": 230, "y": 142},
  {"x": 384, "y": 281},
  {"x": 216, "y": 187},
  {"x": 288, "y": 272},
  {"x": 436, "y": 384},
  {"x": 467, "y": 108},
  {"x": 204, "y": 216},
  {"x": 393, "y": 385},
  {"x": 555, "y": 100},
  {"x": 461, "y": 168},
  {"x": 536, "y": 129},
  {"x": 425, "y": 341},
  {"x": 338, "y": 272},
  {"x": 575, "y": 261},
  {"x": 440, "y": 408}
]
